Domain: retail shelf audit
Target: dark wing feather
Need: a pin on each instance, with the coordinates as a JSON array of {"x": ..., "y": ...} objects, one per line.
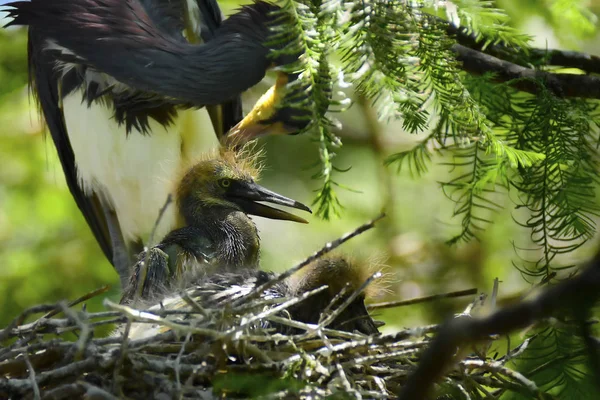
[
  {"x": 167, "y": 15},
  {"x": 45, "y": 88},
  {"x": 130, "y": 47},
  {"x": 185, "y": 250},
  {"x": 228, "y": 114}
]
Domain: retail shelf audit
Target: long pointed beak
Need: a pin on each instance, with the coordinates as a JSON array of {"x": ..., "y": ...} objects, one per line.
[{"x": 247, "y": 194}]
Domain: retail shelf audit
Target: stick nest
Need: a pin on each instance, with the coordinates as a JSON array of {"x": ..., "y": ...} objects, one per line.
[
  {"x": 216, "y": 349},
  {"x": 215, "y": 341}
]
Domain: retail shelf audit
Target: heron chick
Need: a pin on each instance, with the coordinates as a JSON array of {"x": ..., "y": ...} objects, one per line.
[
  {"x": 214, "y": 199},
  {"x": 343, "y": 278},
  {"x": 221, "y": 289}
]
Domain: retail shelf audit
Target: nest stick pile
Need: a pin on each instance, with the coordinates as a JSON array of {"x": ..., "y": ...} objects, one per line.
[{"x": 214, "y": 342}]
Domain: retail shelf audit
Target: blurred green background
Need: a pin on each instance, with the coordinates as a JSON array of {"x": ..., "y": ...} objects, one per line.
[{"x": 47, "y": 252}]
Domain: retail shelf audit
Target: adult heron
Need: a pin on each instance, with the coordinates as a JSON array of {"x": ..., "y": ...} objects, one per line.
[{"x": 115, "y": 80}]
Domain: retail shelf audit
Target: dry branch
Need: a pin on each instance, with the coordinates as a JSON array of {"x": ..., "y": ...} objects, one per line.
[{"x": 507, "y": 64}]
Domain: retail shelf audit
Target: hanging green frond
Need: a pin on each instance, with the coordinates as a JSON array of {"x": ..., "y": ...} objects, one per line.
[
  {"x": 560, "y": 190},
  {"x": 376, "y": 48},
  {"x": 556, "y": 360},
  {"x": 401, "y": 58},
  {"x": 487, "y": 23},
  {"x": 417, "y": 159},
  {"x": 478, "y": 177},
  {"x": 313, "y": 25}
]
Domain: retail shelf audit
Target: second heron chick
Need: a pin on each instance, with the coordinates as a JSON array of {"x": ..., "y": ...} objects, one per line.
[
  {"x": 214, "y": 199},
  {"x": 337, "y": 300},
  {"x": 345, "y": 280}
]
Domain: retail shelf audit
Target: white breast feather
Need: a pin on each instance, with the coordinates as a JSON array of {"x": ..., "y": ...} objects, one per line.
[
  {"x": 194, "y": 16},
  {"x": 134, "y": 173}
]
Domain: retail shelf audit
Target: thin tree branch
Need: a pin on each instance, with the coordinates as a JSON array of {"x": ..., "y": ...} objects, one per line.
[
  {"x": 549, "y": 57},
  {"x": 510, "y": 64},
  {"x": 418, "y": 300},
  {"x": 560, "y": 84}
]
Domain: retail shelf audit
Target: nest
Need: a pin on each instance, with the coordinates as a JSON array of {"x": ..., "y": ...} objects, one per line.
[{"x": 213, "y": 341}]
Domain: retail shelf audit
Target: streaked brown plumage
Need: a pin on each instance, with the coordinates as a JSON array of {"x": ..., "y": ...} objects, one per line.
[{"x": 341, "y": 275}]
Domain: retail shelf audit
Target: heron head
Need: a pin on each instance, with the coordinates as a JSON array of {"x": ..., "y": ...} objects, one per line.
[
  {"x": 273, "y": 114},
  {"x": 227, "y": 183}
]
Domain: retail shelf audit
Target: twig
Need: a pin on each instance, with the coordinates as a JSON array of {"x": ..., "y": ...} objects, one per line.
[
  {"x": 515, "y": 353},
  {"x": 75, "y": 368},
  {"x": 194, "y": 304},
  {"x": 36, "y": 388},
  {"x": 6, "y": 332},
  {"x": 331, "y": 317},
  {"x": 425, "y": 299},
  {"x": 256, "y": 292},
  {"x": 84, "y": 336},
  {"x": 161, "y": 213},
  {"x": 274, "y": 310},
  {"x": 67, "y": 391},
  {"x": 525, "y": 79},
  {"x": 548, "y": 57},
  {"x": 96, "y": 393},
  {"x": 122, "y": 355},
  {"x": 143, "y": 316},
  {"x": 81, "y": 299},
  {"x": 498, "y": 367},
  {"x": 188, "y": 337},
  {"x": 385, "y": 356}
]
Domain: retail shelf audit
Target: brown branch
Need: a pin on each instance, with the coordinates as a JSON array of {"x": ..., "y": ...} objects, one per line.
[
  {"x": 513, "y": 63},
  {"x": 79, "y": 300},
  {"x": 579, "y": 292},
  {"x": 571, "y": 59},
  {"x": 548, "y": 57},
  {"x": 417, "y": 300},
  {"x": 560, "y": 84},
  {"x": 36, "y": 388}
]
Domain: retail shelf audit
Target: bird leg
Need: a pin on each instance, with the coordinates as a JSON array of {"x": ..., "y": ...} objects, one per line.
[{"x": 120, "y": 253}]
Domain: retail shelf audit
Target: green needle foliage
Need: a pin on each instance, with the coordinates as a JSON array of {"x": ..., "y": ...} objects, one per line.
[
  {"x": 495, "y": 139},
  {"x": 399, "y": 55},
  {"x": 557, "y": 362},
  {"x": 401, "y": 58}
]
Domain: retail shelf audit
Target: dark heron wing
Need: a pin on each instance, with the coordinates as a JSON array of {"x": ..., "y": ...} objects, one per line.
[
  {"x": 130, "y": 47},
  {"x": 228, "y": 114},
  {"x": 183, "y": 250}
]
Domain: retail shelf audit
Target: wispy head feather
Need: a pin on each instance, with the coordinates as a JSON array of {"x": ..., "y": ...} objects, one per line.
[{"x": 248, "y": 158}]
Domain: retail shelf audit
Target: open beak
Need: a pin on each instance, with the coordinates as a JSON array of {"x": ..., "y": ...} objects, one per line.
[
  {"x": 246, "y": 131},
  {"x": 261, "y": 120},
  {"x": 247, "y": 194}
]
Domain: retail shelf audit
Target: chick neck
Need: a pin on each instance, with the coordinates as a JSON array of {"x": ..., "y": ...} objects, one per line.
[{"x": 232, "y": 232}]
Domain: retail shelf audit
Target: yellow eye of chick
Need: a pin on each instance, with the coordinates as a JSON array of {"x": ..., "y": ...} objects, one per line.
[{"x": 225, "y": 183}]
